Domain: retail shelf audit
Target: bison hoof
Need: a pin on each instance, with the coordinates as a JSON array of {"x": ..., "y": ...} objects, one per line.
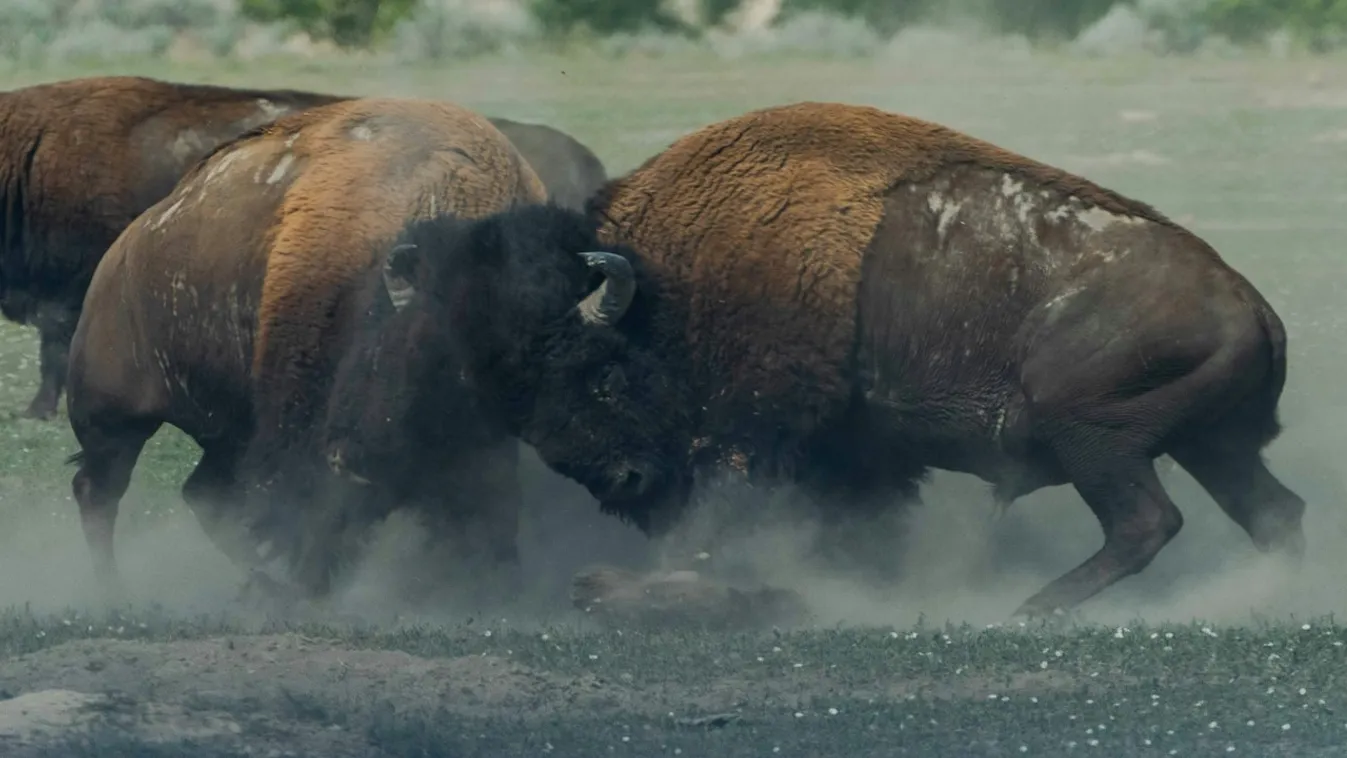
[
  {"x": 40, "y": 411},
  {"x": 1044, "y": 614},
  {"x": 262, "y": 592},
  {"x": 680, "y": 598}
]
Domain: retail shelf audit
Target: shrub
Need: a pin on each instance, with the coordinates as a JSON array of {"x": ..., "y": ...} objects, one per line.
[
  {"x": 1320, "y": 24},
  {"x": 605, "y": 17},
  {"x": 348, "y": 23},
  {"x": 446, "y": 29},
  {"x": 885, "y": 17}
]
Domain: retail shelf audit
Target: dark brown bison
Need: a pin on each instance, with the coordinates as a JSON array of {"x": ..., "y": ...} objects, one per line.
[
  {"x": 235, "y": 310},
  {"x": 570, "y": 171},
  {"x": 79, "y": 160},
  {"x": 844, "y": 298}
]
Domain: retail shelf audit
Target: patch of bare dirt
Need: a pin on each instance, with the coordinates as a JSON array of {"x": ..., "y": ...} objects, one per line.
[{"x": 288, "y": 694}]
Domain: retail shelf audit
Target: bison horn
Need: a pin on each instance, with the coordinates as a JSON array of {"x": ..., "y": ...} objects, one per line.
[
  {"x": 606, "y": 305},
  {"x": 399, "y": 286}
]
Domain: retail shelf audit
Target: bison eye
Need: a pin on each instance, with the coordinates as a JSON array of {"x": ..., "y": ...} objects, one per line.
[
  {"x": 610, "y": 384},
  {"x": 616, "y": 380}
]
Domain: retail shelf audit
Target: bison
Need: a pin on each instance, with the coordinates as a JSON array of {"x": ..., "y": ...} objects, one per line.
[
  {"x": 570, "y": 171},
  {"x": 238, "y": 309},
  {"x": 81, "y": 159},
  {"x": 846, "y": 298}
]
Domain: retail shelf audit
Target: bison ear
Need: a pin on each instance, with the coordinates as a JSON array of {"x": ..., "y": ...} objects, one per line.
[{"x": 398, "y": 267}]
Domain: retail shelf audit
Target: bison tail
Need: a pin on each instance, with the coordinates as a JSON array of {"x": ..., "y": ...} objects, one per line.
[
  {"x": 76, "y": 459},
  {"x": 1275, "y": 332}
]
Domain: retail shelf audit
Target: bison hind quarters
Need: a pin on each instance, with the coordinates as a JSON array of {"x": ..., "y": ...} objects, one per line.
[{"x": 681, "y": 599}]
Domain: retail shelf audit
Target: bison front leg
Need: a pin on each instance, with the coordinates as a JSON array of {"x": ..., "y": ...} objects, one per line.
[{"x": 1137, "y": 516}]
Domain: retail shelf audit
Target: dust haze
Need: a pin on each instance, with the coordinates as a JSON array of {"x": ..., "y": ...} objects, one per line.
[{"x": 959, "y": 560}]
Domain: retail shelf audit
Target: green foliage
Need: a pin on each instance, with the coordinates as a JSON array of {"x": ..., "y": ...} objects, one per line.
[
  {"x": 1041, "y": 19},
  {"x": 348, "y": 23},
  {"x": 605, "y": 17},
  {"x": 884, "y": 16},
  {"x": 1320, "y": 24},
  {"x": 1035, "y": 19},
  {"x": 715, "y": 11}
]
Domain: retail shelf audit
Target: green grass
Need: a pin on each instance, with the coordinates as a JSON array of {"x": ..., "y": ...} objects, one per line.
[
  {"x": 1266, "y": 690},
  {"x": 1240, "y": 163}
]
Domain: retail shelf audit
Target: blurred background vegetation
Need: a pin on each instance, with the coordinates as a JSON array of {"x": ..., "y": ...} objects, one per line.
[{"x": 34, "y": 32}]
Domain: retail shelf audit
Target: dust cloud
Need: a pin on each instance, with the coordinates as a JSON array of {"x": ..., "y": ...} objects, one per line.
[
  {"x": 958, "y": 561},
  {"x": 955, "y": 559}
]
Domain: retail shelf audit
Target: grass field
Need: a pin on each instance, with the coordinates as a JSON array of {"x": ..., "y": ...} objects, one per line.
[{"x": 1211, "y": 651}]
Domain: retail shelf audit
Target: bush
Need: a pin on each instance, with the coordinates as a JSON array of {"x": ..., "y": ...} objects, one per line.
[
  {"x": 605, "y": 17},
  {"x": 885, "y": 17},
  {"x": 446, "y": 29},
  {"x": 348, "y": 23},
  {"x": 1319, "y": 24}
]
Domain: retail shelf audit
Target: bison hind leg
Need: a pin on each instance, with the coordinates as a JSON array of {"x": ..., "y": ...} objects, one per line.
[
  {"x": 1227, "y": 461},
  {"x": 55, "y": 327},
  {"x": 107, "y": 456}
]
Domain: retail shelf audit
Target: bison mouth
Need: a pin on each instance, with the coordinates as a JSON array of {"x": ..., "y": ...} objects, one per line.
[{"x": 652, "y": 502}]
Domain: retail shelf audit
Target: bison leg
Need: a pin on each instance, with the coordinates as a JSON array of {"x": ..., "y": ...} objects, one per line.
[
  {"x": 1229, "y": 467},
  {"x": 55, "y": 329},
  {"x": 99, "y": 484},
  {"x": 1137, "y": 516},
  {"x": 215, "y": 495}
]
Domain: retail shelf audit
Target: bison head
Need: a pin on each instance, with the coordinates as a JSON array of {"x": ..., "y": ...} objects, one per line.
[{"x": 534, "y": 325}]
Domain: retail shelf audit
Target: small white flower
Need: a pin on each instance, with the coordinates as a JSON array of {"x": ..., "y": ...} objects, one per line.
[
  {"x": 832, "y": 711},
  {"x": 1286, "y": 727}
]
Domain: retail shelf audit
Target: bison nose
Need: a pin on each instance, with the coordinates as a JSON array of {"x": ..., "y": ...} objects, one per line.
[{"x": 630, "y": 481}]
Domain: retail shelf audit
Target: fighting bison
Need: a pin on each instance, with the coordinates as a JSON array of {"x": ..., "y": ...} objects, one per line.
[
  {"x": 79, "y": 160},
  {"x": 258, "y": 309},
  {"x": 843, "y": 298},
  {"x": 570, "y": 171}
]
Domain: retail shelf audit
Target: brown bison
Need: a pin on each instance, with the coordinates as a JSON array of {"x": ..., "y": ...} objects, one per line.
[
  {"x": 81, "y": 159},
  {"x": 844, "y": 298},
  {"x": 236, "y": 309},
  {"x": 570, "y": 171}
]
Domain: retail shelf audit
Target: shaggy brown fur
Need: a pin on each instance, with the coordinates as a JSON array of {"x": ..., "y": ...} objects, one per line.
[
  {"x": 224, "y": 308},
  {"x": 79, "y": 160},
  {"x": 789, "y": 198}
]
